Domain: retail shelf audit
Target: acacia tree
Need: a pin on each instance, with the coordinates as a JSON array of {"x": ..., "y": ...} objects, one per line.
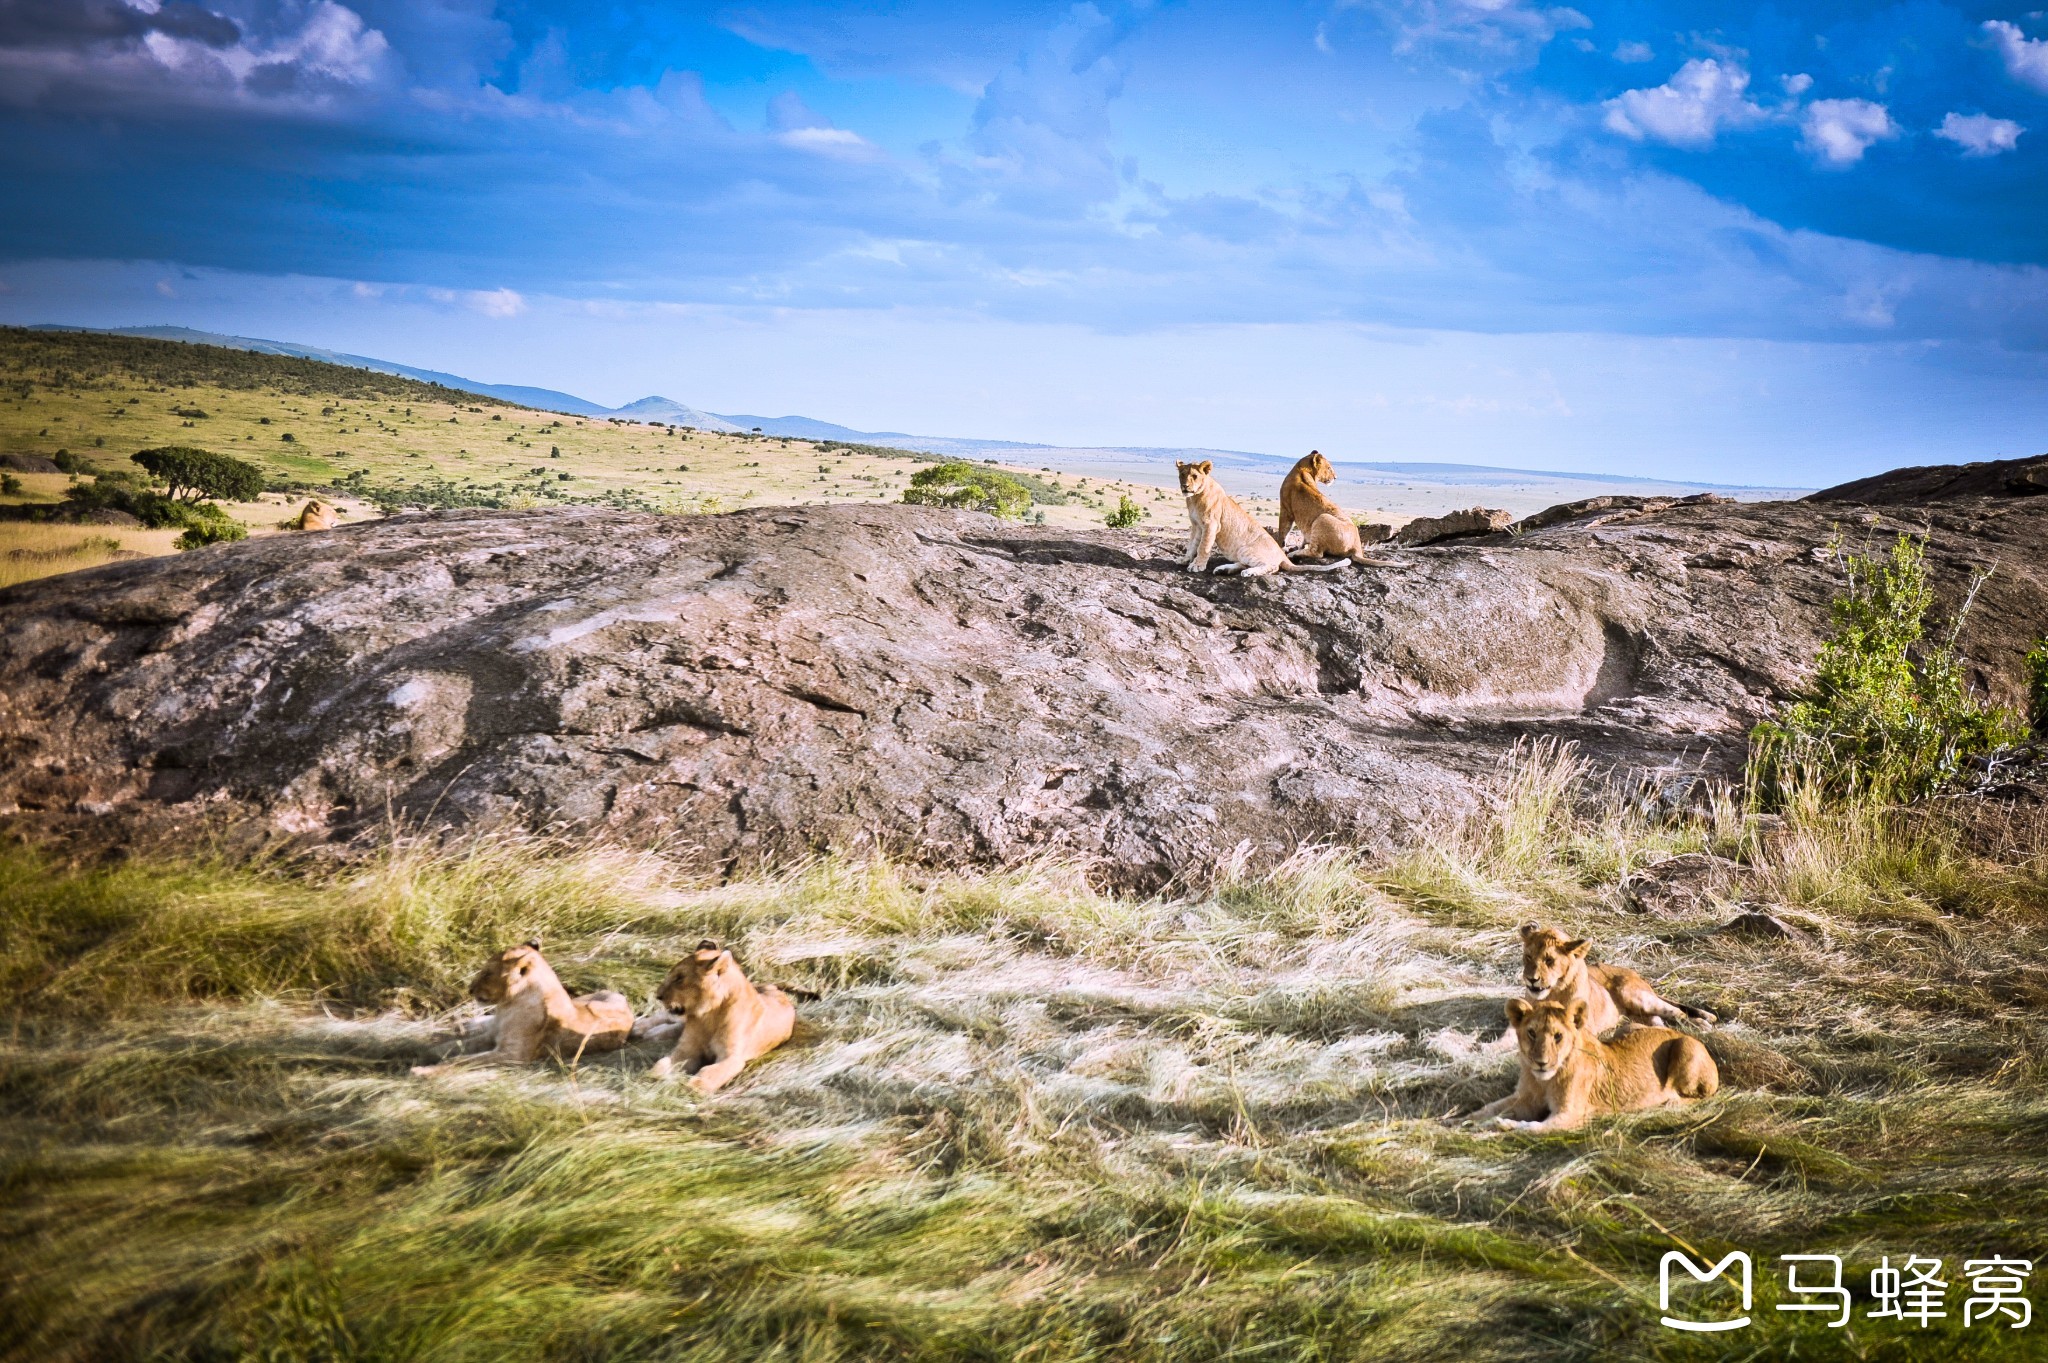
[{"x": 191, "y": 475}]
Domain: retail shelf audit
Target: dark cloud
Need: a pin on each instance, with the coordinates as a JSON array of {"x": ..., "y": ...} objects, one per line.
[{"x": 78, "y": 24}]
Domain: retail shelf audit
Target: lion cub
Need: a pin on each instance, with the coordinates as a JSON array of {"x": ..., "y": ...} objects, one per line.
[
  {"x": 1570, "y": 1075},
  {"x": 1217, "y": 524},
  {"x": 1555, "y": 968},
  {"x": 726, "y": 1021},
  {"x": 1326, "y": 532},
  {"x": 535, "y": 1015}
]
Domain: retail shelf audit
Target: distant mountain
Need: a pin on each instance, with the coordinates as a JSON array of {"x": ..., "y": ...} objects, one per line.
[
  {"x": 1108, "y": 460},
  {"x": 675, "y": 413}
]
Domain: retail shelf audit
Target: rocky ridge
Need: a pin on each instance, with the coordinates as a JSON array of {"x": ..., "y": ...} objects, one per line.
[{"x": 756, "y": 685}]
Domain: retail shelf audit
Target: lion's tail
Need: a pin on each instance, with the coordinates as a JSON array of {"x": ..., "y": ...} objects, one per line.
[
  {"x": 1288, "y": 565},
  {"x": 797, "y": 991},
  {"x": 1695, "y": 1012}
]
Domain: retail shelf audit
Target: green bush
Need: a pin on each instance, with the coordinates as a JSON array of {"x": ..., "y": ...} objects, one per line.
[
  {"x": 2037, "y": 688},
  {"x": 118, "y": 490},
  {"x": 67, "y": 462},
  {"x": 189, "y": 474},
  {"x": 1127, "y": 514},
  {"x": 208, "y": 524},
  {"x": 10, "y": 486},
  {"x": 1889, "y": 715},
  {"x": 966, "y": 487}
]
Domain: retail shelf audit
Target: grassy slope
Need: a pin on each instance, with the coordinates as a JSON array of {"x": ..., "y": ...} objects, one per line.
[
  {"x": 1025, "y": 1120},
  {"x": 106, "y": 397}
]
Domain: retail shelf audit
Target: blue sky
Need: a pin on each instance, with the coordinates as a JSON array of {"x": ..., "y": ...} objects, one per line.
[{"x": 1782, "y": 243}]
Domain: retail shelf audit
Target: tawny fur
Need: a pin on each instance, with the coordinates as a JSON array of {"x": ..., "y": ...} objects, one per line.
[
  {"x": 533, "y": 1015},
  {"x": 1326, "y": 532},
  {"x": 1219, "y": 525},
  {"x": 318, "y": 515},
  {"x": 1569, "y": 1075},
  {"x": 1555, "y": 968},
  {"x": 726, "y": 1021}
]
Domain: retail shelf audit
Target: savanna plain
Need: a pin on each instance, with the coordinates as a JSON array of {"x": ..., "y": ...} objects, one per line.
[{"x": 1024, "y": 1117}]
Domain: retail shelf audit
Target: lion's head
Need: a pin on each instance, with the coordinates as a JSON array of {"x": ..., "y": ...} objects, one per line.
[
  {"x": 1193, "y": 477},
  {"x": 700, "y": 981},
  {"x": 514, "y": 971},
  {"x": 1319, "y": 468},
  {"x": 1549, "y": 959},
  {"x": 1547, "y": 1032}
]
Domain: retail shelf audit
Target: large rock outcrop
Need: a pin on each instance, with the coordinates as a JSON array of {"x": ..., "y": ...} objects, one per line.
[{"x": 748, "y": 686}]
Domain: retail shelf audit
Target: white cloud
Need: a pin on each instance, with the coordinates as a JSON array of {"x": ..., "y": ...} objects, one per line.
[
  {"x": 1634, "y": 52},
  {"x": 1690, "y": 109},
  {"x": 1839, "y": 131},
  {"x": 1796, "y": 85},
  {"x": 2026, "y": 59},
  {"x": 1980, "y": 134},
  {"x": 1508, "y": 28},
  {"x": 490, "y": 302},
  {"x": 831, "y": 141}
]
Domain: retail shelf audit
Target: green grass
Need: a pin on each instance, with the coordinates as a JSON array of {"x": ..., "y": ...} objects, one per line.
[{"x": 1027, "y": 1119}]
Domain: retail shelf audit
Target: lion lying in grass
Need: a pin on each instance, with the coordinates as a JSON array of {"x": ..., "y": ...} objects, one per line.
[
  {"x": 1555, "y": 968},
  {"x": 1569, "y": 1075},
  {"x": 726, "y": 1020},
  {"x": 535, "y": 1015}
]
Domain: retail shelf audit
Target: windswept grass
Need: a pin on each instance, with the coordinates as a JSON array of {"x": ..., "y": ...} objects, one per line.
[{"x": 1027, "y": 1119}]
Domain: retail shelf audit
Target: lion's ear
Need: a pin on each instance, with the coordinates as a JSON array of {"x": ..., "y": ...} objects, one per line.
[
  {"x": 707, "y": 945},
  {"x": 533, "y": 942},
  {"x": 1530, "y": 929},
  {"x": 1578, "y": 948},
  {"x": 1205, "y": 466},
  {"x": 1518, "y": 1012},
  {"x": 1576, "y": 1016}
]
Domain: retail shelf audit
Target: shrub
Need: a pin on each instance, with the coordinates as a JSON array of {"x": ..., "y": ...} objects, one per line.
[
  {"x": 208, "y": 524},
  {"x": 10, "y": 486},
  {"x": 965, "y": 487},
  {"x": 189, "y": 474},
  {"x": 2037, "y": 688},
  {"x": 67, "y": 462},
  {"x": 1127, "y": 514},
  {"x": 118, "y": 490},
  {"x": 1889, "y": 715}
]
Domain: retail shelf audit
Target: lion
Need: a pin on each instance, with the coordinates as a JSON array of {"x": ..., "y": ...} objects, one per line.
[
  {"x": 1218, "y": 524},
  {"x": 1569, "y": 1075},
  {"x": 1326, "y": 532},
  {"x": 1555, "y": 967},
  {"x": 535, "y": 1015},
  {"x": 726, "y": 1020},
  {"x": 317, "y": 515}
]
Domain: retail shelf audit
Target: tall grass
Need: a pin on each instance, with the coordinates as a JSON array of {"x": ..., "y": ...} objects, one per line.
[
  {"x": 29, "y": 550},
  {"x": 1027, "y": 1119}
]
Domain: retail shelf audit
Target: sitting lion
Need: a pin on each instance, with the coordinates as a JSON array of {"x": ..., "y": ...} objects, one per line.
[
  {"x": 1218, "y": 524},
  {"x": 1326, "y": 532},
  {"x": 726, "y": 1021},
  {"x": 1570, "y": 1075},
  {"x": 1554, "y": 967},
  {"x": 534, "y": 1014},
  {"x": 317, "y": 515}
]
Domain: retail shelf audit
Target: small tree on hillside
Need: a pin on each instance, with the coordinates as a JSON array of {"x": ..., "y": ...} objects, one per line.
[
  {"x": 191, "y": 475},
  {"x": 965, "y": 487},
  {"x": 1127, "y": 514}
]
